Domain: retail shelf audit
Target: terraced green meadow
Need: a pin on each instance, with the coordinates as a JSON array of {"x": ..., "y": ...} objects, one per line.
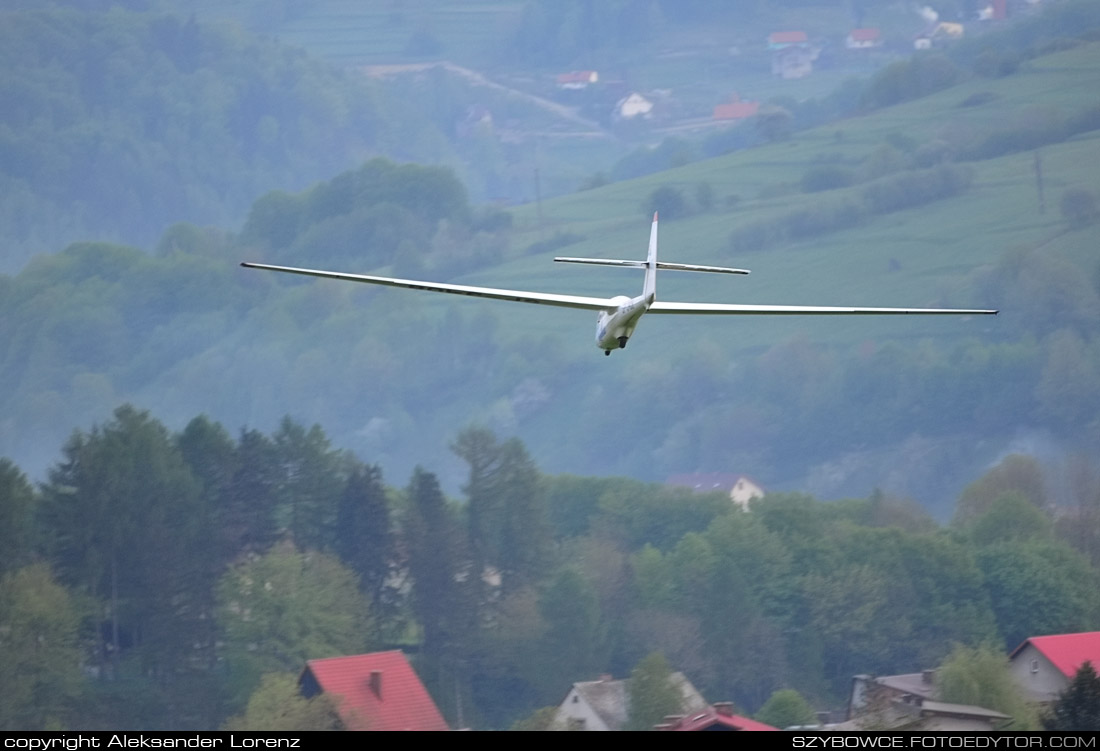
[{"x": 917, "y": 257}]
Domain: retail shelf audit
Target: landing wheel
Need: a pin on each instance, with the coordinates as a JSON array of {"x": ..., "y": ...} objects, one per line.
[
  {"x": 622, "y": 342},
  {"x": 606, "y": 352}
]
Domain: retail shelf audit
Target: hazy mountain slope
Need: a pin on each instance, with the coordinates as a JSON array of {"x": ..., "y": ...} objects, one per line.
[
  {"x": 396, "y": 375},
  {"x": 117, "y": 124}
]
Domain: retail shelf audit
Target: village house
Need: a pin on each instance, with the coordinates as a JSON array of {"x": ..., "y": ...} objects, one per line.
[
  {"x": 605, "y": 704},
  {"x": 794, "y": 62},
  {"x": 716, "y": 718},
  {"x": 736, "y": 109},
  {"x": 997, "y": 10},
  {"x": 577, "y": 79},
  {"x": 863, "y": 39},
  {"x": 779, "y": 40},
  {"x": 1044, "y": 666},
  {"x": 907, "y": 702},
  {"x": 741, "y": 489},
  {"x": 634, "y": 106},
  {"x": 376, "y": 691}
]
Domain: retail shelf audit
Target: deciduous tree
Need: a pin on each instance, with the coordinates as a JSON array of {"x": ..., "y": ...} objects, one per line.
[
  {"x": 277, "y": 706},
  {"x": 40, "y": 658},
  {"x": 785, "y": 708},
  {"x": 285, "y": 607},
  {"x": 17, "y": 499},
  {"x": 979, "y": 676},
  {"x": 652, "y": 693}
]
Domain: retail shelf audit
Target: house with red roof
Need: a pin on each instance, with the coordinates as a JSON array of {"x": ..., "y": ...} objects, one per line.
[
  {"x": 778, "y": 40},
  {"x": 741, "y": 488},
  {"x": 376, "y": 691},
  {"x": 1044, "y": 666},
  {"x": 577, "y": 79},
  {"x": 736, "y": 109},
  {"x": 718, "y": 717},
  {"x": 863, "y": 39}
]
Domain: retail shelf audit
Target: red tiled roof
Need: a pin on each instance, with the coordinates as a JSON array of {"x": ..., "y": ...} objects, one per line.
[
  {"x": 1067, "y": 652},
  {"x": 787, "y": 37},
  {"x": 864, "y": 35},
  {"x": 736, "y": 111},
  {"x": 714, "y": 720},
  {"x": 577, "y": 76},
  {"x": 400, "y": 703},
  {"x": 703, "y": 481}
]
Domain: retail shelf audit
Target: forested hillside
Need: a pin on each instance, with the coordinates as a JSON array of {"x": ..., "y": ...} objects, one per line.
[
  {"x": 931, "y": 202},
  {"x": 166, "y": 577},
  {"x": 117, "y": 124},
  {"x": 507, "y": 558}
]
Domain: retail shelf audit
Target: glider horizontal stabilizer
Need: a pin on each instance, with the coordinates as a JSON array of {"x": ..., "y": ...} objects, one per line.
[{"x": 660, "y": 265}]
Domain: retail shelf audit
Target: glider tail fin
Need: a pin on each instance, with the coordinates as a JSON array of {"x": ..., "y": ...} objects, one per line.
[{"x": 650, "y": 289}]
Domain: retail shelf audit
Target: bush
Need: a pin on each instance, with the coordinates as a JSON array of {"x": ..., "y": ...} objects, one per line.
[
  {"x": 915, "y": 188},
  {"x": 993, "y": 63},
  {"x": 591, "y": 182},
  {"x": 978, "y": 98},
  {"x": 1083, "y": 121},
  {"x": 704, "y": 196},
  {"x": 558, "y": 240},
  {"x": 934, "y": 152},
  {"x": 911, "y": 79},
  {"x": 492, "y": 220},
  {"x": 1078, "y": 207},
  {"x": 1008, "y": 141},
  {"x": 893, "y": 193},
  {"x": 885, "y": 160},
  {"x": 1040, "y": 127},
  {"x": 827, "y": 177},
  {"x": 755, "y": 236},
  {"x": 669, "y": 201},
  {"x": 823, "y": 217}
]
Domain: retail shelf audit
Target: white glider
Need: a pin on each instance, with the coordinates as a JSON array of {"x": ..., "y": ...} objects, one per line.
[{"x": 619, "y": 316}]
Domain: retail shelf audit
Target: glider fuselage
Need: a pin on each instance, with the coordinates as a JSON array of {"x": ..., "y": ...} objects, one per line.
[{"x": 615, "y": 327}]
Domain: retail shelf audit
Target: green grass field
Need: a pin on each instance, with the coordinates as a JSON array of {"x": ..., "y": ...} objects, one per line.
[
  {"x": 358, "y": 33},
  {"x": 936, "y": 246}
]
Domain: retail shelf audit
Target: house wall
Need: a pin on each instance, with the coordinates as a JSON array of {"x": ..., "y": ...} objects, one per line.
[
  {"x": 635, "y": 105},
  {"x": 953, "y": 725},
  {"x": 1035, "y": 674},
  {"x": 574, "y": 711},
  {"x": 745, "y": 491}
]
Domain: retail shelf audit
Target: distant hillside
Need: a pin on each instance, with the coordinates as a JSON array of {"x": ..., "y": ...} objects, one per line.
[
  {"x": 836, "y": 407},
  {"x": 117, "y": 124}
]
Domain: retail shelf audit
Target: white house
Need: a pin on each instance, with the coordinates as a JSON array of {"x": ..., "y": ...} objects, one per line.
[
  {"x": 741, "y": 488},
  {"x": 794, "y": 62},
  {"x": 863, "y": 39},
  {"x": 1044, "y": 666},
  {"x": 605, "y": 704},
  {"x": 633, "y": 106},
  {"x": 577, "y": 79}
]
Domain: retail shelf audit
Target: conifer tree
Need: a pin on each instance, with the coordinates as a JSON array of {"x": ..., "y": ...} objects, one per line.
[
  {"x": 364, "y": 539},
  {"x": 1078, "y": 707}
]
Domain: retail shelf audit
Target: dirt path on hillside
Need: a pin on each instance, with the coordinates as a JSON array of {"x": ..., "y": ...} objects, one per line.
[{"x": 567, "y": 113}]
